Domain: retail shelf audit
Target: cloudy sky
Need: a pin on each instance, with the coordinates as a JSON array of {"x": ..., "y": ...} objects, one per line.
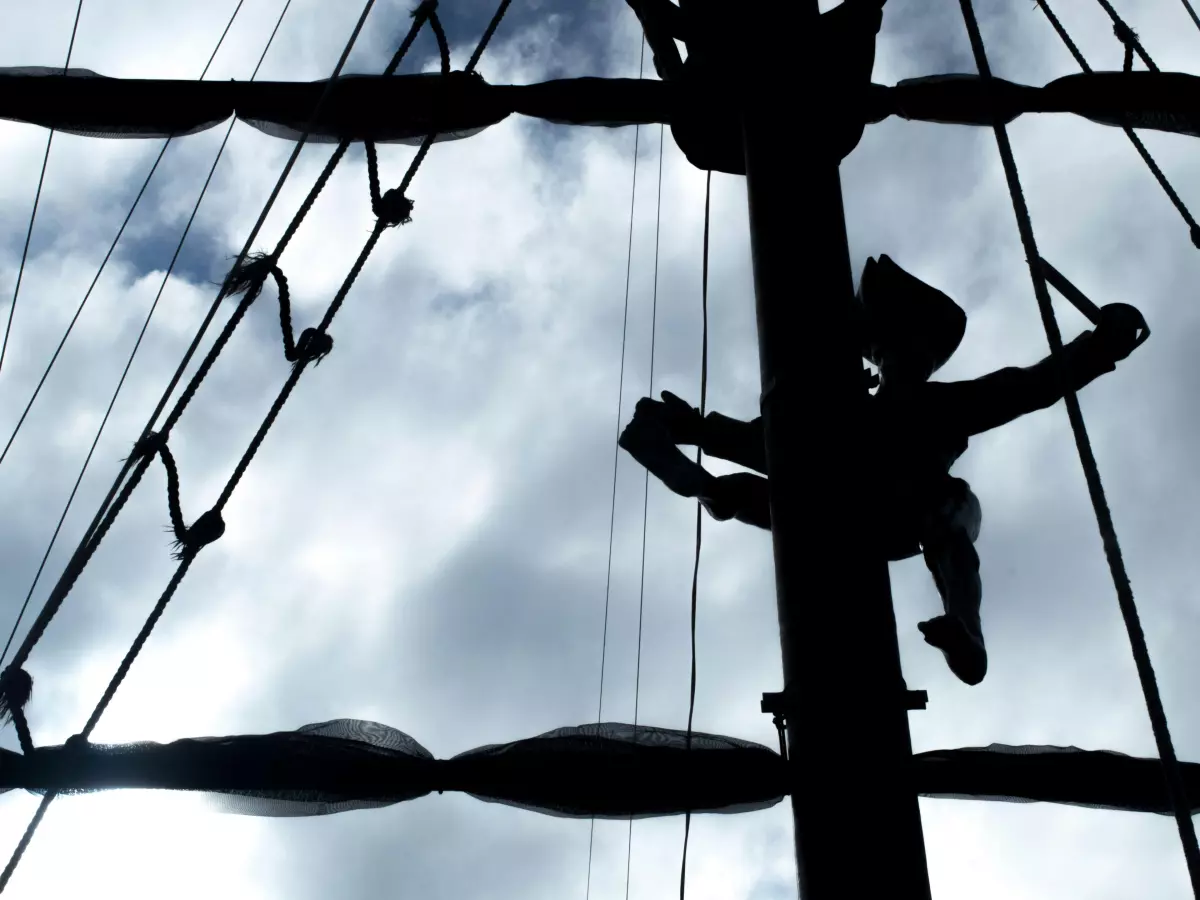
[{"x": 423, "y": 539}]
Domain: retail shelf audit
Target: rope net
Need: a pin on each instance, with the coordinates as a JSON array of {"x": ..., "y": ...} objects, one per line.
[{"x": 606, "y": 770}]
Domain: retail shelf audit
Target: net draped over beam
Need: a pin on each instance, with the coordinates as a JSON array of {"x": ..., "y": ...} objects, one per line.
[
  {"x": 406, "y": 108},
  {"x": 606, "y": 770}
]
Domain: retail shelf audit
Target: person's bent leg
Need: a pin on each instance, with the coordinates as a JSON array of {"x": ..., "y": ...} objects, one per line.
[{"x": 948, "y": 543}]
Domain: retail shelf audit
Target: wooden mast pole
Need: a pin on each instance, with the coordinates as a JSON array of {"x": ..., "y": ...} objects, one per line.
[{"x": 857, "y": 820}]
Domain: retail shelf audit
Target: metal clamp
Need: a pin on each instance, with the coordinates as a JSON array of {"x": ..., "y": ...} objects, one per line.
[{"x": 777, "y": 704}]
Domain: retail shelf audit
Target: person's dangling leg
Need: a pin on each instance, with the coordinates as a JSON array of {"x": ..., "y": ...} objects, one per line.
[{"x": 948, "y": 542}]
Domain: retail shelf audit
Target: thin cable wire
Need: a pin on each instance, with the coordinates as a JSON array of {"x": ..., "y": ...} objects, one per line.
[
  {"x": 111, "y": 249},
  {"x": 145, "y": 325},
  {"x": 687, "y": 820},
  {"x": 36, "y": 200},
  {"x": 1112, "y": 549},
  {"x": 637, "y": 682},
  {"x": 612, "y": 516}
]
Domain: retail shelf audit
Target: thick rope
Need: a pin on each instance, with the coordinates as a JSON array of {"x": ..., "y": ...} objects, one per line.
[
  {"x": 439, "y": 34},
  {"x": 1112, "y": 549},
  {"x": 488, "y": 34},
  {"x": 1192, "y": 12},
  {"x": 37, "y": 197},
  {"x": 1127, "y": 36},
  {"x": 114, "y": 502},
  {"x": 1193, "y": 227},
  {"x": 188, "y": 552},
  {"x": 612, "y": 517},
  {"x": 687, "y": 820},
  {"x": 137, "y": 344}
]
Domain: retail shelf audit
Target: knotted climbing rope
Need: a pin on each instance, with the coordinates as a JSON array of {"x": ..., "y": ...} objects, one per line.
[{"x": 247, "y": 277}]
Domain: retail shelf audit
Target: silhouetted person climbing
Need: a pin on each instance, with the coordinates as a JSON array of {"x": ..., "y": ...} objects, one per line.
[{"x": 909, "y": 330}]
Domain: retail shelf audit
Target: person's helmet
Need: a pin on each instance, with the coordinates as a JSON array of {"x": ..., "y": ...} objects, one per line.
[{"x": 907, "y": 319}]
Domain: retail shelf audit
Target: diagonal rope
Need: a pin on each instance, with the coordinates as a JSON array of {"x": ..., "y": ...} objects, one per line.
[
  {"x": 612, "y": 519},
  {"x": 1175, "y": 199},
  {"x": 1192, "y": 12},
  {"x": 188, "y": 552},
  {"x": 114, "y": 502},
  {"x": 37, "y": 197},
  {"x": 1127, "y": 36},
  {"x": 138, "y": 343},
  {"x": 637, "y": 683},
  {"x": 687, "y": 820},
  {"x": 1112, "y": 549}
]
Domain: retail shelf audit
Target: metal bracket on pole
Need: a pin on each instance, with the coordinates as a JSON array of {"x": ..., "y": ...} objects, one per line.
[
  {"x": 778, "y": 703},
  {"x": 780, "y": 706}
]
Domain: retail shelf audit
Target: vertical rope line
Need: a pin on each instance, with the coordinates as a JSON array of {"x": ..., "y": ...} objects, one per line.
[
  {"x": 687, "y": 820},
  {"x": 37, "y": 199},
  {"x": 612, "y": 516},
  {"x": 1112, "y": 549},
  {"x": 637, "y": 682}
]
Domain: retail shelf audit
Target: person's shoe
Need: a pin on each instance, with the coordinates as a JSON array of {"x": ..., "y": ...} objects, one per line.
[
  {"x": 962, "y": 647},
  {"x": 648, "y": 441}
]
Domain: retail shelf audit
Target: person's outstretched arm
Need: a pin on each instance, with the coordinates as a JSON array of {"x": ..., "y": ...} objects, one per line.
[{"x": 973, "y": 407}]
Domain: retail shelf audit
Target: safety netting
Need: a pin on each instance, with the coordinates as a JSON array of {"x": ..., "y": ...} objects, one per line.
[
  {"x": 604, "y": 770},
  {"x": 383, "y": 109},
  {"x": 1097, "y": 779},
  {"x": 405, "y": 108},
  {"x": 1162, "y": 101}
]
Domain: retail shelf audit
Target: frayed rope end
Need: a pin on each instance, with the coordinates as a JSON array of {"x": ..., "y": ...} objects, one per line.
[
  {"x": 16, "y": 687},
  {"x": 249, "y": 275}
]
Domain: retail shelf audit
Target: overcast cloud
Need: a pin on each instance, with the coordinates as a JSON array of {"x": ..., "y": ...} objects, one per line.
[{"x": 423, "y": 538}]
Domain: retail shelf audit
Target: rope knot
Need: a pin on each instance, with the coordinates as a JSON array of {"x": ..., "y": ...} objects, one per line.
[
  {"x": 250, "y": 274},
  {"x": 149, "y": 445},
  {"x": 313, "y": 346},
  {"x": 1124, "y": 33},
  {"x": 76, "y": 743},
  {"x": 204, "y": 531},
  {"x": 393, "y": 208},
  {"x": 16, "y": 687}
]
